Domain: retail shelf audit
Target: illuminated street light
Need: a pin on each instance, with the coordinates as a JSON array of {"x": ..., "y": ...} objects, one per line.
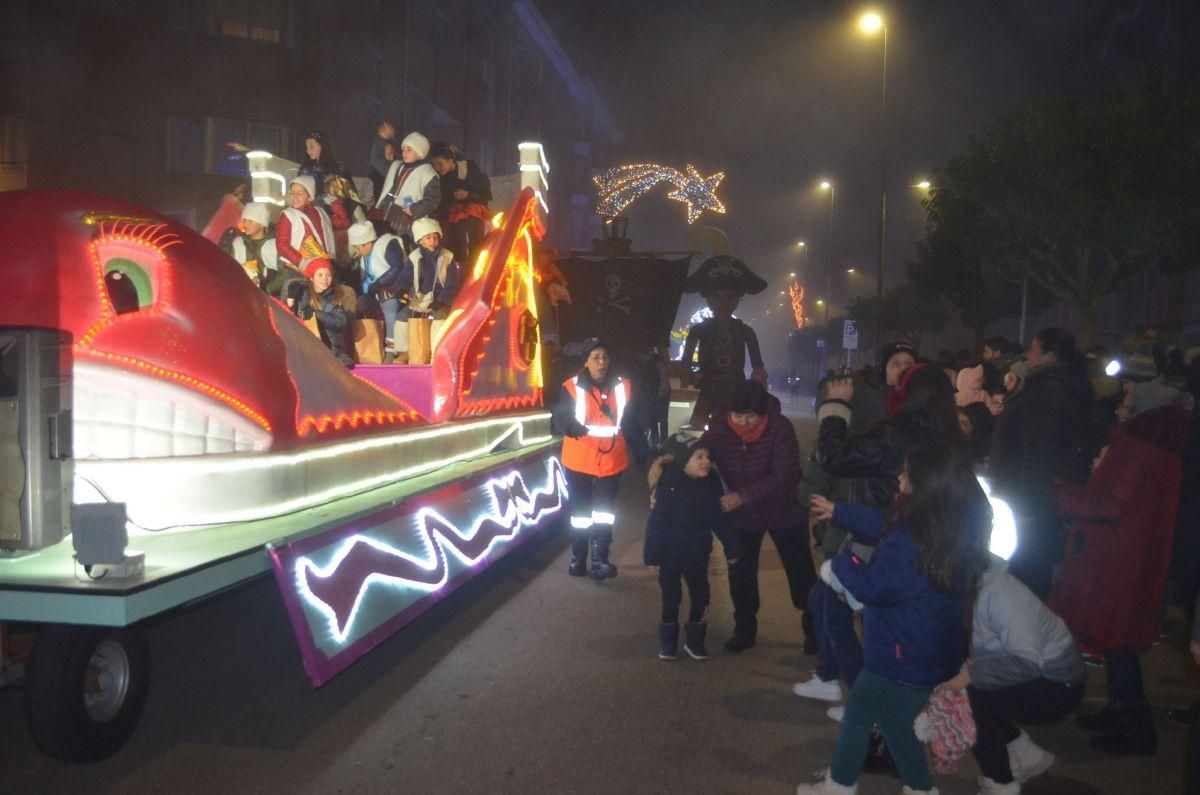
[
  {"x": 924, "y": 184},
  {"x": 801, "y": 244},
  {"x": 870, "y": 23},
  {"x": 827, "y": 185},
  {"x": 791, "y": 275},
  {"x": 783, "y": 292}
]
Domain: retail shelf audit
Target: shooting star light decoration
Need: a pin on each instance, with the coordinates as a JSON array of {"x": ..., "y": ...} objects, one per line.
[{"x": 621, "y": 186}]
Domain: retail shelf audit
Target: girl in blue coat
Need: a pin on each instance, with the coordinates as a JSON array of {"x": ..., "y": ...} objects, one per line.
[
  {"x": 931, "y": 553},
  {"x": 685, "y": 514}
]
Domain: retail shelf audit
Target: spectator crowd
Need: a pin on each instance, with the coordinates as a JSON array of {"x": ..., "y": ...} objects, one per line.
[{"x": 921, "y": 631}]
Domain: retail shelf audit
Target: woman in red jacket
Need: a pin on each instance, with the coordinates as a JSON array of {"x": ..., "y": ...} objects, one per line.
[
  {"x": 756, "y": 452},
  {"x": 1110, "y": 584}
]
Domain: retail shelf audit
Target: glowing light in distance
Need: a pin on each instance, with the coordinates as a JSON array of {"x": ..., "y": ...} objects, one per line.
[
  {"x": 924, "y": 184},
  {"x": 826, "y": 185},
  {"x": 1112, "y": 369}
]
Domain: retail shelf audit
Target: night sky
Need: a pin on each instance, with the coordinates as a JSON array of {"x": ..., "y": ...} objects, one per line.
[{"x": 780, "y": 95}]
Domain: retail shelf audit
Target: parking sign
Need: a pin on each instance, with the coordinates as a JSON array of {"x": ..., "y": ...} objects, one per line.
[{"x": 849, "y": 336}]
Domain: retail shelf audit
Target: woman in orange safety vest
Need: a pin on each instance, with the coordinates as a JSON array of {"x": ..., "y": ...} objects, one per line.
[{"x": 594, "y": 414}]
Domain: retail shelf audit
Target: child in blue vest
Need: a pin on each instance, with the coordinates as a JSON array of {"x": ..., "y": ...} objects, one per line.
[
  {"x": 930, "y": 556},
  {"x": 686, "y": 513}
]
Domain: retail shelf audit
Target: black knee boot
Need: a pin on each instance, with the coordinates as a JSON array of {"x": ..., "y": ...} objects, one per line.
[
  {"x": 668, "y": 640},
  {"x": 579, "y": 554},
  {"x": 601, "y": 568},
  {"x": 694, "y": 645}
]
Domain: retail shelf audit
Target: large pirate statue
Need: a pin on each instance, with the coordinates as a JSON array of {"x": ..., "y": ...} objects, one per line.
[{"x": 722, "y": 339}]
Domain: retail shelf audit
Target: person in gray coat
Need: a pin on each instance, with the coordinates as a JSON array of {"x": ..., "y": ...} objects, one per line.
[{"x": 1024, "y": 667}]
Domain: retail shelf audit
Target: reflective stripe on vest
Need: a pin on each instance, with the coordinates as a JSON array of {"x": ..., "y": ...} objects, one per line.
[{"x": 600, "y": 431}]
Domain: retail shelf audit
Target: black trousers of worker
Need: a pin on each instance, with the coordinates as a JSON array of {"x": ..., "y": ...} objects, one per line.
[
  {"x": 1038, "y": 701},
  {"x": 695, "y": 574},
  {"x": 791, "y": 543},
  {"x": 592, "y": 500}
]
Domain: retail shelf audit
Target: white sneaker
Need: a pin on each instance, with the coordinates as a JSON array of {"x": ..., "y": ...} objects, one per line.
[
  {"x": 826, "y": 786},
  {"x": 1026, "y": 760},
  {"x": 989, "y": 787},
  {"x": 819, "y": 689},
  {"x": 836, "y": 713}
]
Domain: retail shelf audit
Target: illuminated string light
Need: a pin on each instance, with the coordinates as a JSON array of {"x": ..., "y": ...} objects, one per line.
[
  {"x": 621, "y": 186},
  {"x": 796, "y": 290},
  {"x": 429, "y": 571}
]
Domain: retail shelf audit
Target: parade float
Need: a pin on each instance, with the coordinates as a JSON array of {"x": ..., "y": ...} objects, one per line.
[{"x": 168, "y": 431}]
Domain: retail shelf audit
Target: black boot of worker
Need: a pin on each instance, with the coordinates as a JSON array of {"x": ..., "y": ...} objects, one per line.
[
  {"x": 668, "y": 640},
  {"x": 579, "y": 554},
  {"x": 601, "y": 568},
  {"x": 694, "y": 644}
]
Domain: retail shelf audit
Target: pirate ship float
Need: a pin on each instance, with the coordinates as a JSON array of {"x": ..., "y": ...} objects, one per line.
[{"x": 150, "y": 390}]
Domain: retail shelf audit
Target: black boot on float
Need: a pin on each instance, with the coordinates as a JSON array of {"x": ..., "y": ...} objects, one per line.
[
  {"x": 601, "y": 568},
  {"x": 668, "y": 640},
  {"x": 579, "y": 554},
  {"x": 1135, "y": 737},
  {"x": 694, "y": 643}
]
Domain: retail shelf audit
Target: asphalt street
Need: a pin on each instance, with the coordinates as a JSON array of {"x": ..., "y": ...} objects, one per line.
[{"x": 526, "y": 680}]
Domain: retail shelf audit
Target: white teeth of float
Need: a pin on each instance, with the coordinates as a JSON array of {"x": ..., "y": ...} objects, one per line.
[{"x": 119, "y": 414}]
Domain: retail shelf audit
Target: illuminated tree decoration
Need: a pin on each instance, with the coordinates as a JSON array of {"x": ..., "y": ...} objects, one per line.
[
  {"x": 621, "y": 186},
  {"x": 797, "y": 292}
]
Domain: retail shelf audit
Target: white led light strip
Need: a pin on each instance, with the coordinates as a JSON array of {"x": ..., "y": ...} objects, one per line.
[
  {"x": 519, "y": 513},
  {"x": 176, "y": 493}
]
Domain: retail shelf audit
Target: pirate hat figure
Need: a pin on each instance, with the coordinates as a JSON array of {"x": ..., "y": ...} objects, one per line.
[{"x": 724, "y": 272}]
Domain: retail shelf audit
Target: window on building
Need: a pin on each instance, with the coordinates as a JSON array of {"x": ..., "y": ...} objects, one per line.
[
  {"x": 14, "y": 154},
  {"x": 12, "y": 144},
  {"x": 185, "y": 146},
  {"x": 257, "y": 20},
  {"x": 268, "y": 137},
  {"x": 226, "y": 142},
  {"x": 223, "y": 145}
]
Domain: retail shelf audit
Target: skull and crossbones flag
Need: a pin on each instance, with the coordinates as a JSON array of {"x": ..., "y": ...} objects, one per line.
[{"x": 629, "y": 302}]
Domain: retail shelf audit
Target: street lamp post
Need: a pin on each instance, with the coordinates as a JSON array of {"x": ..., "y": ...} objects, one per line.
[
  {"x": 871, "y": 23},
  {"x": 828, "y": 186}
]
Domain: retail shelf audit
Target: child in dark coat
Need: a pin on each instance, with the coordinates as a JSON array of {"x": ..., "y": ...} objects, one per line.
[{"x": 685, "y": 513}]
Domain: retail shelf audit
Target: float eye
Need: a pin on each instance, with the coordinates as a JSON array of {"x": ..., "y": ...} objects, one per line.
[{"x": 128, "y": 285}]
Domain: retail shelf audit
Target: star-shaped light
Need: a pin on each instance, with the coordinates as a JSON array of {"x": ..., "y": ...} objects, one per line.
[
  {"x": 699, "y": 193},
  {"x": 621, "y": 186}
]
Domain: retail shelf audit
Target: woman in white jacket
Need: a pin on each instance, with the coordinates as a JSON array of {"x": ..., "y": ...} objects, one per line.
[{"x": 1024, "y": 667}]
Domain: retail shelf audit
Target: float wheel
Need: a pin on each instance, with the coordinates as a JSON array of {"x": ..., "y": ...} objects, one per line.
[{"x": 85, "y": 688}]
